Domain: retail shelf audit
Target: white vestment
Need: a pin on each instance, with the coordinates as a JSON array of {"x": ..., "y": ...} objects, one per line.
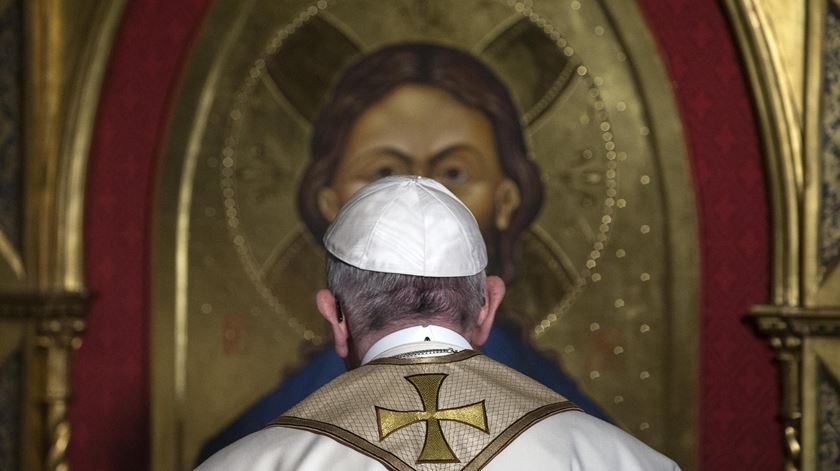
[{"x": 571, "y": 440}]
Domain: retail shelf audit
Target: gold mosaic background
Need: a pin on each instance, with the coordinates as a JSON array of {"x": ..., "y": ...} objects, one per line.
[{"x": 608, "y": 285}]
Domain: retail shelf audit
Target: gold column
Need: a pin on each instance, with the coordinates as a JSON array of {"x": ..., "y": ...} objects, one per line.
[
  {"x": 57, "y": 321},
  {"x": 782, "y": 44},
  {"x": 66, "y": 45},
  {"x": 58, "y": 339},
  {"x": 788, "y": 348},
  {"x": 803, "y": 339}
]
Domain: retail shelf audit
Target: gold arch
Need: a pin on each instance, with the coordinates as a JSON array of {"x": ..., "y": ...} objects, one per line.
[{"x": 222, "y": 49}]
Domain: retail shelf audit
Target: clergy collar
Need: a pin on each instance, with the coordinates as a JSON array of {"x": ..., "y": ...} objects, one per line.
[{"x": 428, "y": 337}]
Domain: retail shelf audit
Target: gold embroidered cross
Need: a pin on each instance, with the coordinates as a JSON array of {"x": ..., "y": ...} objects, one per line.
[{"x": 435, "y": 447}]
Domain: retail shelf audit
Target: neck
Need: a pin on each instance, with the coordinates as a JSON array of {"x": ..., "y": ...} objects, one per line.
[
  {"x": 363, "y": 343},
  {"x": 418, "y": 337}
]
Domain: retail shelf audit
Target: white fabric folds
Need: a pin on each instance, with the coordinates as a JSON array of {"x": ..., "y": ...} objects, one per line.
[{"x": 408, "y": 225}]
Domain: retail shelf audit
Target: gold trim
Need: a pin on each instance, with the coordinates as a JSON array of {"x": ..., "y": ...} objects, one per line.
[
  {"x": 391, "y": 461},
  {"x": 8, "y": 252},
  {"x": 780, "y": 322},
  {"x": 801, "y": 310},
  {"x": 46, "y": 41},
  {"x": 811, "y": 365},
  {"x": 66, "y": 50},
  {"x": 169, "y": 295},
  {"x": 819, "y": 355},
  {"x": 183, "y": 223},
  {"x": 57, "y": 321},
  {"x": 811, "y": 153},
  {"x": 781, "y": 143},
  {"x": 345, "y": 437},
  {"x": 44, "y": 306},
  {"x": 74, "y": 155},
  {"x": 438, "y": 360},
  {"x": 787, "y": 329},
  {"x": 67, "y": 45},
  {"x": 516, "y": 429},
  {"x": 58, "y": 339},
  {"x": 681, "y": 441}
]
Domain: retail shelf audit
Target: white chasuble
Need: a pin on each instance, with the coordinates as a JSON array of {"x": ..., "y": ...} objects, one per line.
[{"x": 461, "y": 411}]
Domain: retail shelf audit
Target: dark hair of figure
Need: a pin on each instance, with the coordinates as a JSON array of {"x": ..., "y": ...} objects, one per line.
[{"x": 461, "y": 75}]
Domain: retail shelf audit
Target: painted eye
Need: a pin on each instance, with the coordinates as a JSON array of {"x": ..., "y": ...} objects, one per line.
[
  {"x": 383, "y": 172},
  {"x": 455, "y": 174}
]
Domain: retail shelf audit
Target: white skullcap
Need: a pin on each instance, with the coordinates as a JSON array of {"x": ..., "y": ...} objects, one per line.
[{"x": 408, "y": 225}]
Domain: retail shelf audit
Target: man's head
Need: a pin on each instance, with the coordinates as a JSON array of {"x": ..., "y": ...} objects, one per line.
[
  {"x": 429, "y": 110},
  {"x": 404, "y": 251}
]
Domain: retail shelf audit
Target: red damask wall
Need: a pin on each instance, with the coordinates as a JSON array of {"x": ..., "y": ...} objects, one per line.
[
  {"x": 739, "y": 396},
  {"x": 110, "y": 415}
]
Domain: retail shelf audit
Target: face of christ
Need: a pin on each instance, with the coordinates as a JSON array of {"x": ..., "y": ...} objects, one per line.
[
  {"x": 423, "y": 130},
  {"x": 429, "y": 110}
]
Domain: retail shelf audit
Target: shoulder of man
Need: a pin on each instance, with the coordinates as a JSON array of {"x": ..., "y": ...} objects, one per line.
[
  {"x": 572, "y": 440},
  {"x": 576, "y": 440},
  {"x": 548, "y": 439},
  {"x": 282, "y": 449}
]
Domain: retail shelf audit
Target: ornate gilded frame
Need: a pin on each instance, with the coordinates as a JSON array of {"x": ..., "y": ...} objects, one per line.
[
  {"x": 66, "y": 47},
  {"x": 172, "y": 224},
  {"x": 782, "y": 48}
]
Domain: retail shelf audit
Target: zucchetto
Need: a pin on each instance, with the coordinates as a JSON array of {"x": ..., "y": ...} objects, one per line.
[{"x": 408, "y": 225}]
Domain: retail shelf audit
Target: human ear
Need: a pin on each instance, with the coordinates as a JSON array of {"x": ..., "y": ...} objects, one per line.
[
  {"x": 328, "y": 307},
  {"x": 506, "y": 199},
  {"x": 494, "y": 292},
  {"x": 328, "y": 203}
]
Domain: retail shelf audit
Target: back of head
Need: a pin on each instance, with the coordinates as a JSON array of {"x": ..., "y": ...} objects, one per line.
[{"x": 405, "y": 251}]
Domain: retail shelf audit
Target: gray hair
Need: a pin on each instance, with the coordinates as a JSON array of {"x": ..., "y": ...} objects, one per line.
[{"x": 372, "y": 300}]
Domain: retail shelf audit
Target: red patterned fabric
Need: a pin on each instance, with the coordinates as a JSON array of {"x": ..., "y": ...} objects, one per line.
[
  {"x": 110, "y": 415},
  {"x": 739, "y": 396}
]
